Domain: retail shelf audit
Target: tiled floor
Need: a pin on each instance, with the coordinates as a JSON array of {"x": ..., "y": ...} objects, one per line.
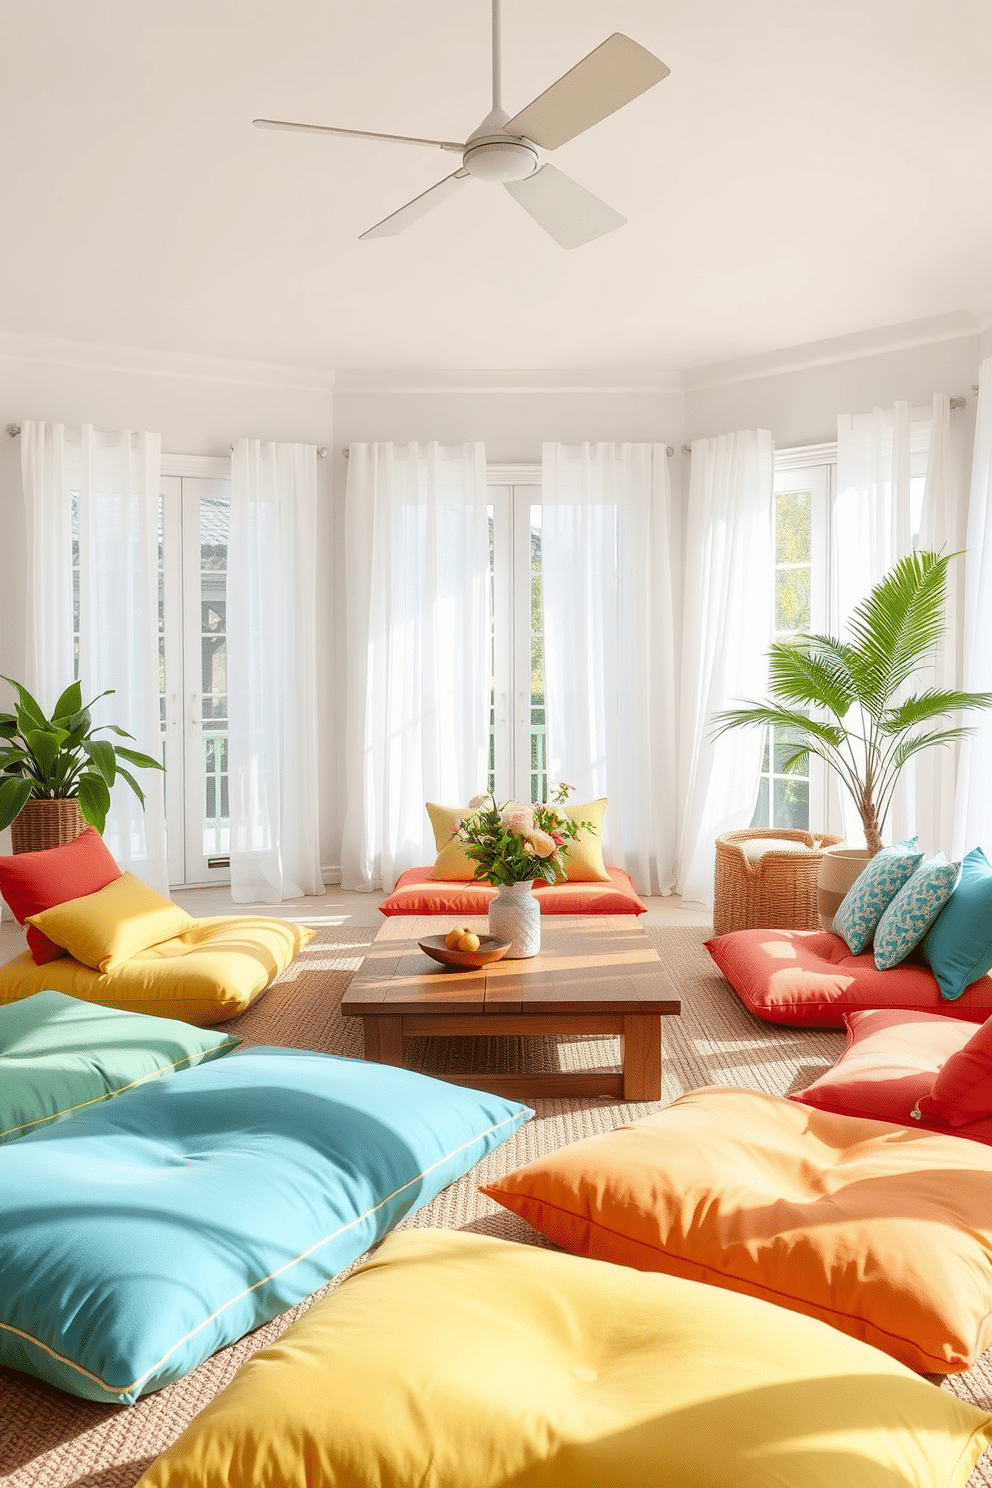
[{"x": 344, "y": 907}]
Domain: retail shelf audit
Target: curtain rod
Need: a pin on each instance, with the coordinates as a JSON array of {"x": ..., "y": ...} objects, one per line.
[
  {"x": 14, "y": 429},
  {"x": 669, "y": 451}
]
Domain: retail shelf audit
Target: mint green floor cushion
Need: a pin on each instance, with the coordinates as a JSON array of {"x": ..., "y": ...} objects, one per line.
[
  {"x": 59, "y": 1055},
  {"x": 148, "y": 1232}
]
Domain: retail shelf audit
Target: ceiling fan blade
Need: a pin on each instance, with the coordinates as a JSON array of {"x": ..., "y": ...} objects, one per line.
[
  {"x": 566, "y": 210},
  {"x": 403, "y": 139},
  {"x": 614, "y": 74},
  {"x": 419, "y": 207}
]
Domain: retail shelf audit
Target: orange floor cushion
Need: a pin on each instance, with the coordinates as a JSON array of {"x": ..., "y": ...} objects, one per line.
[
  {"x": 208, "y": 974},
  {"x": 809, "y": 977},
  {"x": 882, "y": 1232},
  {"x": 416, "y": 893}
]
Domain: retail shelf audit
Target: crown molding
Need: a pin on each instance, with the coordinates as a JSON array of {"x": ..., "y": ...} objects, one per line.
[
  {"x": 553, "y": 380},
  {"x": 955, "y": 326},
  {"x": 139, "y": 361}
]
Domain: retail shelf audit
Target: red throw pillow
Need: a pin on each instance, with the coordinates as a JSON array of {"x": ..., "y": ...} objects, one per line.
[
  {"x": 34, "y": 881},
  {"x": 962, "y": 1091}
]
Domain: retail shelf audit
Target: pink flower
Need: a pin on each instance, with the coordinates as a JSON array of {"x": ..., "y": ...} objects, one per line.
[
  {"x": 557, "y": 838},
  {"x": 518, "y": 820}
]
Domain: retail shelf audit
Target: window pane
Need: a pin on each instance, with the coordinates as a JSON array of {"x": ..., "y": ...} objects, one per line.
[
  {"x": 793, "y": 527},
  {"x": 760, "y": 817},
  {"x": 214, "y": 528},
  {"x": 786, "y": 740},
  {"x": 792, "y": 803},
  {"x": 792, "y": 610}
]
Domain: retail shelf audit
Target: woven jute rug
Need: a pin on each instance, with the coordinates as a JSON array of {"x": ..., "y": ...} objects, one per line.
[{"x": 52, "y": 1440}]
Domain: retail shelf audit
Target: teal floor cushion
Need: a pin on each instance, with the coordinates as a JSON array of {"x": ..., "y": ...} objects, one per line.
[
  {"x": 59, "y": 1055},
  {"x": 149, "y": 1231}
]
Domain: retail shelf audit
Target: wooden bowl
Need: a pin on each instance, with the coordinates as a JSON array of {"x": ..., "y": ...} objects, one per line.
[{"x": 490, "y": 949}]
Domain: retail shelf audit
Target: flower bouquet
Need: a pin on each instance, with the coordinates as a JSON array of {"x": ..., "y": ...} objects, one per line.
[
  {"x": 516, "y": 844},
  {"x": 512, "y": 845}
]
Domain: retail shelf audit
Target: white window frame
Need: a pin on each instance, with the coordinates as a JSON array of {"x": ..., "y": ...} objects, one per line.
[
  {"x": 181, "y": 474},
  {"x": 512, "y": 493}
]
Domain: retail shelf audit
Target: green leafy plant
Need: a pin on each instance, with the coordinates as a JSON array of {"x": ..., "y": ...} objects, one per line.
[
  {"x": 48, "y": 759},
  {"x": 516, "y": 844},
  {"x": 846, "y": 702}
]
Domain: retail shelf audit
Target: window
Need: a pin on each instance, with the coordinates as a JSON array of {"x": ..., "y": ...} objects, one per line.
[
  {"x": 800, "y": 604},
  {"x": 517, "y": 752},
  {"x": 804, "y": 490},
  {"x": 194, "y": 516}
]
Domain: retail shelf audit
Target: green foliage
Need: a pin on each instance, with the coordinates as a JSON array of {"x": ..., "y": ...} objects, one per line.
[
  {"x": 515, "y": 844},
  {"x": 46, "y": 759},
  {"x": 866, "y": 729}
]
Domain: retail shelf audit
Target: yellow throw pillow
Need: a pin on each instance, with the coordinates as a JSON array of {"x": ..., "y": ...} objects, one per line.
[
  {"x": 584, "y": 856},
  {"x": 457, "y": 1359},
  {"x": 452, "y": 860},
  {"x": 104, "y": 929}
]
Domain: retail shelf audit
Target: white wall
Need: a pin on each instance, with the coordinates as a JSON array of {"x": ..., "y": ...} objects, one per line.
[
  {"x": 198, "y": 410},
  {"x": 799, "y": 403}
]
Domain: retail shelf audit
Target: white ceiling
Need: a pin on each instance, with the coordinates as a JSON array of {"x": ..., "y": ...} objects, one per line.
[{"x": 808, "y": 170}]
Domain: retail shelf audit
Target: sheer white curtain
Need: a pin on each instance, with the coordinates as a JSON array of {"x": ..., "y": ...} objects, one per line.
[
  {"x": 609, "y": 644},
  {"x": 116, "y": 477},
  {"x": 944, "y": 528},
  {"x": 873, "y": 527},
  {"x": 417, "y": 565},
  {"x": 726, "y": 622},
  {"x": 272, "y": 672},
  {"x": 973, "y": 807}
]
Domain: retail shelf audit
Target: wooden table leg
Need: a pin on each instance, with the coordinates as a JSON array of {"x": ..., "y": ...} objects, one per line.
[
  {"x": 640, "y": 1056},
  {"x": 384, "y": 1040}
]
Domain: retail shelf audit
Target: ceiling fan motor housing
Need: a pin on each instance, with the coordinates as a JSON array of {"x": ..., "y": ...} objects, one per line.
[{"x": 500, "y": 157}]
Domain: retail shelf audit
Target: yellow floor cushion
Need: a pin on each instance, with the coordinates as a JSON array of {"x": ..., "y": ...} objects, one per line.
[
  {"x": 461, "y": 1361},
  {"x": 206, "y": 975}
]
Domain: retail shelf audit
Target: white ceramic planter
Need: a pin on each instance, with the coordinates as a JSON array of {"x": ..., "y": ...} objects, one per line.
[
  {"x": 515, "y": 915},
  {"x": 839, "y": 867}
]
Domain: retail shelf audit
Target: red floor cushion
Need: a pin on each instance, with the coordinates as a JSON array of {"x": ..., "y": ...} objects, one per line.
[
  {"x": 809, "y": 977},
  {"x": 913, "y": 1069},
  {"x": 416, "y": 893}
]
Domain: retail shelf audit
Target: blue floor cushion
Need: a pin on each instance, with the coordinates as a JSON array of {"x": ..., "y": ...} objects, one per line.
[
  {"x": 59, "y": 1055},
  {"x": 148, "y": 1232}
]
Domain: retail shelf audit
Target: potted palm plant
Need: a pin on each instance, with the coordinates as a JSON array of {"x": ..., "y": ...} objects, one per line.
[
  {"x": 55, "y": 775},
  {"x": 848, "y": 703}
]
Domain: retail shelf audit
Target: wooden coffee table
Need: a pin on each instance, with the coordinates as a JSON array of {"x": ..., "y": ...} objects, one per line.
[{"x": 594, "y": 975}]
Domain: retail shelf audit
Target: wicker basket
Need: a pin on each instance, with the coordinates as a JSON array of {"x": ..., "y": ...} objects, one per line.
[
  {"x": 776, "y": 891},
  {"x": 41, "y": 824}
]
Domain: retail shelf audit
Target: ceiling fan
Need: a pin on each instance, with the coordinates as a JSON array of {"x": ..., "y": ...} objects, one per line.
[{"x": 508, "y": 150}]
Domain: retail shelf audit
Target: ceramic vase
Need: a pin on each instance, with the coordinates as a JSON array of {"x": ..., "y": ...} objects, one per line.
[{"x": 515, "y": 915}]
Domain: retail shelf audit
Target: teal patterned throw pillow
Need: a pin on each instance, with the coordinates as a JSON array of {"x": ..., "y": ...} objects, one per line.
[
  {"x": 871, "y": 894},
  {"x": 913, "y": 910}
]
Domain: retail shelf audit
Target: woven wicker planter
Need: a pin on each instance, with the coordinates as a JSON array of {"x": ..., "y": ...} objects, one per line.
[
  {"x": 41, "y": 824},
  {"x": 774, "y": 891}
]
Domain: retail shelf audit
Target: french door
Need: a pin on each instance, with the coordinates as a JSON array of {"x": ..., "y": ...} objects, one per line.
[
  {"x": 517, "y": 744},
  {"x": 193, "y": 532}
]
